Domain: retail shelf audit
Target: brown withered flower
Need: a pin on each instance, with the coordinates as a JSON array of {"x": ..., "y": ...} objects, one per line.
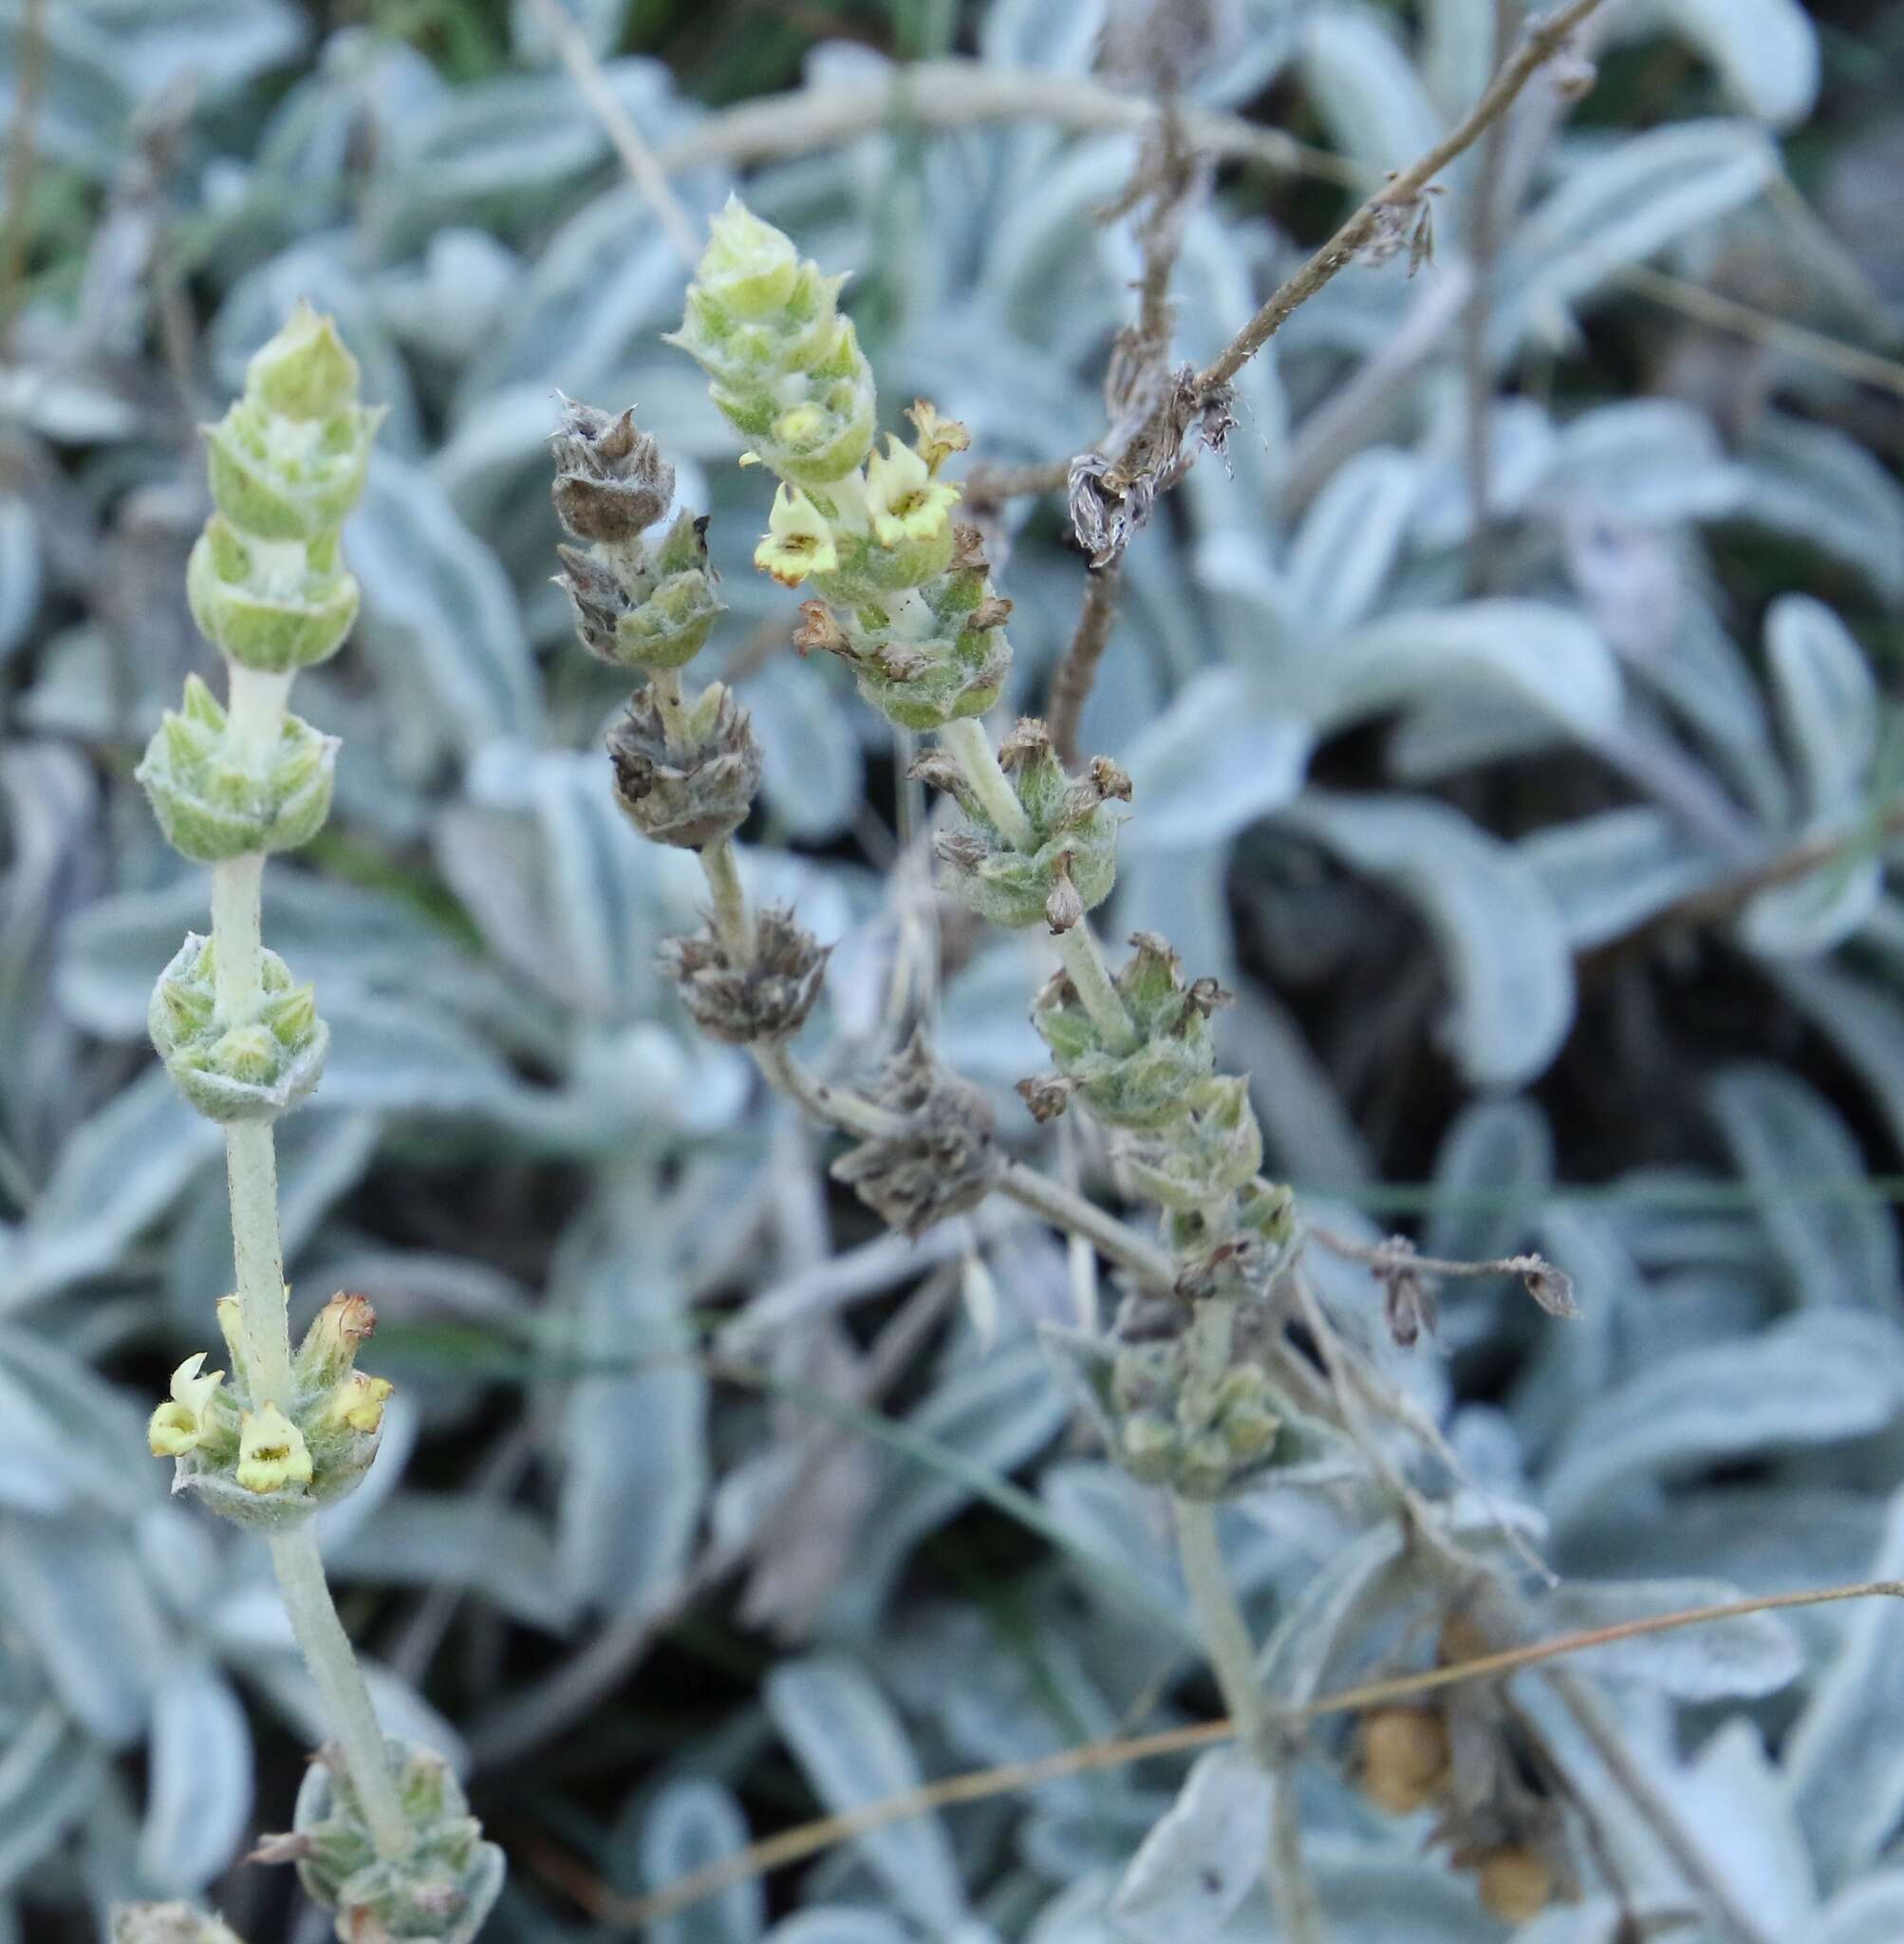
[
  {"x": 766, "y": 999},
  {"x": 611, "y": 482},
  {"x": 941, "y": 1162},
  {"x": 687, "y": 796}
]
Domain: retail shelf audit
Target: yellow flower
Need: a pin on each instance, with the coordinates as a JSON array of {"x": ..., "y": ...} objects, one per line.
[
  {"x": 357, "y": 1403},
  {"x": 178, "y": 1425},
  {"x": 798, "y": 541},
  {"x": 271, "y": 1452},
  {"x": 936, "y": 439},
  {"x": 904, "y": 500}
]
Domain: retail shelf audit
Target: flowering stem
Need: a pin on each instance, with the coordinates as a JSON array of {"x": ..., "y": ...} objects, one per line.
[
  {"x": 732, "y": 924},
  {"x": 347, "y": 1708},
  {"x": 238, "y": 982},
  {"x": 1219, "y": 1620},
  {"x": 250, "y": 1167},
  {"x": 968, "y": 745},
  {"x": 665, "y": 683},
  {"x": 1084, "y": 961}
]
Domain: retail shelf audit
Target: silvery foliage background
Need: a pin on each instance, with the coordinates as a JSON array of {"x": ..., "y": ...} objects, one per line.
[{"x": 1398, "y": 818}]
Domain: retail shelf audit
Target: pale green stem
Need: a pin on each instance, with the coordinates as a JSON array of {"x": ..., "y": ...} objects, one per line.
[
  {"x": 732, "y": 925},
  {"x": 237, "y": 968},
  {"x": 347, "y": 1708},
  {"x": 968, "y": 745},
  {"x": 1084, "y": 961},
  {"x": 250, "y": 1165},
  {"x": 256, "y": 713},
  {"x": 666, "y": 686},
  {"x": 1219, "y": 1620}
]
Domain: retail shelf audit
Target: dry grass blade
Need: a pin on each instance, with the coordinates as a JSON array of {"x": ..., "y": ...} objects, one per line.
[{"x": 810, "y": 1838}]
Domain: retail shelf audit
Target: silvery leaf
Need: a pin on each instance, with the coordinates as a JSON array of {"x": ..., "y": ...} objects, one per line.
[
  {"x": 1743, "y": 1657},
  {"x": 688, "y": 1826},
  {"x": 1206, "y": 1855},
  {"x": 1729, "y": 1400},
  {"x": 200, "y": 1795},
  {"x": 1506, "y": 951},
  {"x": 854, "y": 1750},
  {"x": 1801, "y": 1160}
]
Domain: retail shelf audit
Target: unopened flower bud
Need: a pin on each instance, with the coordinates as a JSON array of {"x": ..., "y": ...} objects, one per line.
[
  {"x": 253, "y": 1069},
  {"x": 357, "y": 1404},
  {"x": 216, "y": 798},
  {"x": 281, "y": 479},
  {"x": 611, "y": 482},
  {"x": 768, "y": 998},
  {"x": 940, "y": 1163},
  {"x": 305, "y": 372}
]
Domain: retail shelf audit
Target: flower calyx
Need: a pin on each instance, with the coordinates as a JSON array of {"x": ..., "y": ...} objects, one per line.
[
  {"x": 216, "y": 797},
  {"x": 766, "y": 998},
  {"x": 692, "y": 789},
  {"x": 940, "y": 1160},
  {"x": 1072, "y": 863},
  {"x": 254, "y": 1068},
  {"x": 440, "y": 1889},
  {"x": 1150, "y": 1083}
]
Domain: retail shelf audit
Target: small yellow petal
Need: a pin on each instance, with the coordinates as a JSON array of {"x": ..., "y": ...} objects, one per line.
[
  {"x": 173, "y": 1432},
  {"x": 271, "y": 1452}
]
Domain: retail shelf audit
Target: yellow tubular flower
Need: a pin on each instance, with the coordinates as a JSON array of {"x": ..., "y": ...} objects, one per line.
[
  {"x": 798, "y": 540},
  {"x": 271, "y": 1452},
  {"x": 358, "y": 1402},
  {"x": 178, "y": 1425},
  {"x": 936, "y": 439},
  {"x": 904, "y": 500}
]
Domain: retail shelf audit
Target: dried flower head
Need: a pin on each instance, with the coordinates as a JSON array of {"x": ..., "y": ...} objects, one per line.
[
  {"x": 611, "y": 482},
  {"x": 768, "y": 998},
  {"x": 941, "y": 1162}
]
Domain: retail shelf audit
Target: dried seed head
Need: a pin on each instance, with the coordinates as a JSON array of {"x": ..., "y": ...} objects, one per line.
[
  {"x": 693, "y": 794},
  {"x": 942, "y": 1162},
  {"x": 768, "y": 999},
  {"x": 1046, "y": 1095},
  {"x": 1552, "y": 1288},
  {"x": 1404, "y": 1758},
  {"x": 1515, "y": 1884},
  {"x": 611, "y": 482}
]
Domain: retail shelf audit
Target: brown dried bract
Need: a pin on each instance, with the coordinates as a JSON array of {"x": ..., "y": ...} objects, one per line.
[{"x": 943, "y": 1161}]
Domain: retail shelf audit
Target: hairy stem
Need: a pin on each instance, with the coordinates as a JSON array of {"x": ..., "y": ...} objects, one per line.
[
  {"x": 665, "y": 683},
  {"x": 1219, "y": 1620},
  {"x": 968, "y": 745},
  {"x": 250, "y": 1167},
  {"x": 1084, "y": 965},
  {"x": 1065, "y": 1209},
  {"x": 347, "y": 1708},
  {"x": 1292, "y": 1890},
  {"x": 236, "y": 947},
  {"x": 733, "y": 925}
]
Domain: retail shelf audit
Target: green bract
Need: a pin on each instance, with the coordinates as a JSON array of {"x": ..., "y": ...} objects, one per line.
[
  {"x": 643, "y": 608},
  {"x": 1151, "y": 1084},
  {"x": 267, "y": 606},
  {"x": 216, "y": 798},
  {"x": 441, "y": 1891},
  {"x": 1212, "y": 1150},
  {"x": 251, "y": 1069},
  {"x": 1074, "y": 831},
  {"x": 786, "y": 367}
]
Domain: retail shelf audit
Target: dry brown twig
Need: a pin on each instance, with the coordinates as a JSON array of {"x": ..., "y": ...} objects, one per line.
[{"x": 810, "y": 1838}]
